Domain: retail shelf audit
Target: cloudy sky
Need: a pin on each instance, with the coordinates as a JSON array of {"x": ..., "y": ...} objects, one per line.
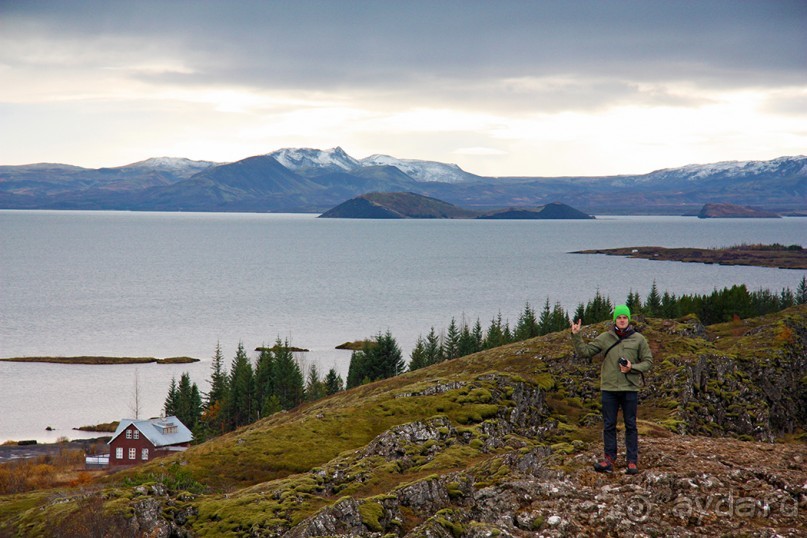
[{"x": 498, "y": 87}]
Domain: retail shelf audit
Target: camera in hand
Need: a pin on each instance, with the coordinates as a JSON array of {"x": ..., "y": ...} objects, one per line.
[{"x": 623, "y": 361}]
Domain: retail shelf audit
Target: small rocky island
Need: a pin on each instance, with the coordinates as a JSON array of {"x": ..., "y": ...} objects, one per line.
[
  {"x": 776, "y": 255},
  {"x": 408, "y": 205}
]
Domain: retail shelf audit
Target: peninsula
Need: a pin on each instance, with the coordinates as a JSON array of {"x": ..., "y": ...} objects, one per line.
[{"x": 779, "y": 256}]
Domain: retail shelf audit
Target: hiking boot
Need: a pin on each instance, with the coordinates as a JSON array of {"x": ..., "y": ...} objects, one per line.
[
  {"x": 632, "y": 468},
  {"x": 605, "y": 466}
]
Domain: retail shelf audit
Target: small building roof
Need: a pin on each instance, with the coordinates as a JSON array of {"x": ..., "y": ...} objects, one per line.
[{"x": 160, "y": 431}]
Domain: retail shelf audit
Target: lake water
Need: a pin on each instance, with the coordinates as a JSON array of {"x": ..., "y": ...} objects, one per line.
[{"x": 171, "y": 284}]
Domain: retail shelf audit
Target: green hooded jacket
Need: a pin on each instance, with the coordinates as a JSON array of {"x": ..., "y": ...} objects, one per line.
[{"x": 634, "y": 348}]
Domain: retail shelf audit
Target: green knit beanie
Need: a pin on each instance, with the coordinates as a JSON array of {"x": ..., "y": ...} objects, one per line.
[{"x": 621, "y": 310}]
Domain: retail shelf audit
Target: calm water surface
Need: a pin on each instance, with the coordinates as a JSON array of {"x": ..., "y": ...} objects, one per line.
[{"x": 171, "y": 284}]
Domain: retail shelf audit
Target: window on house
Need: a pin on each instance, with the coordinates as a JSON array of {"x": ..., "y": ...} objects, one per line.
[
  {"x": 128, "y": 434},
  {"x": 132, "y": 453},
  {"x": 136, "y": 434},
  {"x": 119, "y": 453},
  {"x": 144, "y": 454}
]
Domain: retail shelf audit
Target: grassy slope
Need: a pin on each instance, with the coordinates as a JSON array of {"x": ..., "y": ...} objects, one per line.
[{"x": 280, "y": 469}]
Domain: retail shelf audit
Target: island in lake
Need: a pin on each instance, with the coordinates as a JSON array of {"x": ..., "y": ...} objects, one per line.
[
  {"x": 779, "y": 256},
  {"x": 408, "y": 205}
]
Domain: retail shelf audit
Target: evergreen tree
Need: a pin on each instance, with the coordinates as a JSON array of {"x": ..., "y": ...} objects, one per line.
[
  {"x": 314, "y": 386},
  {"x": 264, "y": 378},
  {"x": 652, "y": 306},
  {"x": 786, "y": 299},
  {"x": 468, "y": 343},
  {"x": 559, "y": 320},
  {"x": 333, "y": 382},
  {"x": 801, "y": 291},
  {"x": 288, "y": 378},
  {"x": 418, "y": 358},
  {"x": 218, "y": 379},
  {"x": 478, "y": 336},
  {"x": 239, "y": 404},
  {"x": 380, "y": 359},
  {"x": 669, "y": 306},
  {"x": 527, "y": 325},
  {"x": 451, "y": 343},
  {"x": 496, "y": 336},
  {"x": 598, "y": 309},
  {"x": 634, "y": 302},
  {"x": 545, "y": 319},
  {"x": 170, "y": 406},
  {"x": 356, "y": 372},
  {"x": 580, "y": 312},
  {"x": 387, "y": 358},
  {"x": 433, "y": 349}
]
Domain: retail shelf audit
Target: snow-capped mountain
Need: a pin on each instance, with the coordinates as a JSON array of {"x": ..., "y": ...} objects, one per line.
[
  {"x": 308, "y": 161},
  {"x": 422, "y": 170},
  {"x": 311, "y": 159},
  {"x": 782, "y": 166},
  {"x": 179, "y": 166}
]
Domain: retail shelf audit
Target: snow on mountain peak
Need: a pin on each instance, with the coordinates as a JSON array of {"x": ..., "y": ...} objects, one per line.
[
  {"x": 300, "y": 158},
  {"x": 420, "y": 170}
]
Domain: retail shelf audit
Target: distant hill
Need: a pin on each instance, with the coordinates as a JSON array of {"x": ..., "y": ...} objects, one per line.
[
  {"x": 397, "y": 205},
  {"x": 722, "y": 211},
  {"x": 555, "y": 210},
  {"x": 313, "y": 180},
  {"x": 408, "y": 205}
]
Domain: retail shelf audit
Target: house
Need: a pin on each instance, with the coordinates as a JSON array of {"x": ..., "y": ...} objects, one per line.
[{"x": 137, "y": 441}]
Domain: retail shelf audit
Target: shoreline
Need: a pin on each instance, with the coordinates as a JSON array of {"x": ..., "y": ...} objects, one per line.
[
  {"x": 751, "y": 255},
  {"x": 9, "y": 452}
]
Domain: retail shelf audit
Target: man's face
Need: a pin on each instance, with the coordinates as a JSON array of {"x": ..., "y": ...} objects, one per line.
[{"x": 622, "y": 321}]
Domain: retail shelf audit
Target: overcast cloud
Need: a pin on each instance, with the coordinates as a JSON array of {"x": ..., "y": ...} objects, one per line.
[{"x": 501, "y": 88}]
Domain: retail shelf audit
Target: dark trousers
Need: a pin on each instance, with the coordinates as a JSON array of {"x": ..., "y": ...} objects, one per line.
[{"x": 629, "y": 402}]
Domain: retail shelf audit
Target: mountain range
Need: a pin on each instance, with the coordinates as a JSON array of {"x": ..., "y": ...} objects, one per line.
[{"x": 313, "y": 180}]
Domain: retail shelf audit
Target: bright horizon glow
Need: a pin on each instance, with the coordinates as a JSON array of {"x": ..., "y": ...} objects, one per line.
[{"x": 546, "y": 93}]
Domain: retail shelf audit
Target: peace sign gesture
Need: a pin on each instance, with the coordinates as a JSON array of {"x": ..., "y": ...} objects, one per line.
[{"x": 576, "y": 326}]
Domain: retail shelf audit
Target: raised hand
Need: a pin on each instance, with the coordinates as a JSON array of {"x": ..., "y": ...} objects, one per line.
[{"x": 576, "y": 326}]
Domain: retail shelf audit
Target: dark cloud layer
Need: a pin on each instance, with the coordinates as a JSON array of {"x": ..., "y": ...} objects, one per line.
[{"x": 316, "y": 44}]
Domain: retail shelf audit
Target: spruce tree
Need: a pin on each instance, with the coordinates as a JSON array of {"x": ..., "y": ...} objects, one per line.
[
  {"x": 468, "y": 342},
  {"x": 545, "y": 319},
  {"x": 418, "y": 358},
  {"x": 652, "y": 305},
  {"x": 801, "y": 291},
  {"x": 288, "y": 378},
  {"x": 433, "y": 349},
  {"x": 264, "y": 378},
  {"x": 559, "y": 320},
  {"x": 171, "y": 404},
  {"x": 387, "y": 358},
  {"x": 333, "y": 382},
  {"x": 496, "y": 336},
  {"x": 218, "y": 379},
  {"x": 239, "y": 404},
  {"x": 527, "y": 325},
  {"x": 314, "y": 386},
  {"x": 451, "y": 343}
]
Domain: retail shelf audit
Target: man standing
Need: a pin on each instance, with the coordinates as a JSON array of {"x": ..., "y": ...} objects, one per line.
[{"x": 626, "y": 356}]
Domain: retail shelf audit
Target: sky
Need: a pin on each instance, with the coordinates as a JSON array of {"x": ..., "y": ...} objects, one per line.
[{"x": 501, "y": 88}]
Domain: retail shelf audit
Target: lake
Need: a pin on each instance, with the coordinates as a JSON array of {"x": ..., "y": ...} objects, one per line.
[{"x": 176, "y": 284}]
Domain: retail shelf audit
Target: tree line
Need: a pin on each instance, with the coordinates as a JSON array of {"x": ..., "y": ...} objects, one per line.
[
  {"x": 247, "y": 392},
  {"x": 276, "y": 381}
]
